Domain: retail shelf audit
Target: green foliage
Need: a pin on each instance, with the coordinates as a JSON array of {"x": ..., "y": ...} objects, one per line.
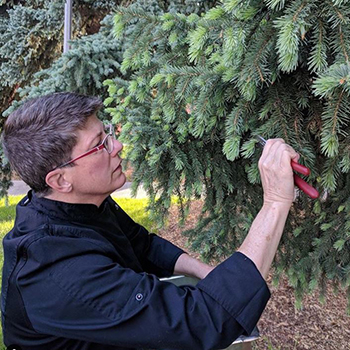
[
  {"x": 28, "y": 40},
  {"x": 91, "y": 59},
  {"x": 198, "y": 87},
  {"x": 28, "y": 36}
]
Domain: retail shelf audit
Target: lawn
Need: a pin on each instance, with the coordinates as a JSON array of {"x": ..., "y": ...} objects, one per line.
[{"x": 136, "y": 208}]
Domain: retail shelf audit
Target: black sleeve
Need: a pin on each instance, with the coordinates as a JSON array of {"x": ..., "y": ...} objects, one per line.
[{"x": 156, "y": 254}]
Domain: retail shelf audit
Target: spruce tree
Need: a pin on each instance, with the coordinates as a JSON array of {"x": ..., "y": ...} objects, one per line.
[
  {"x": 90, "y": 60},
  {"x": 32, "y": 38},
  {"x": 202, "y": 85},
  {"x": 27, "y": 43}
]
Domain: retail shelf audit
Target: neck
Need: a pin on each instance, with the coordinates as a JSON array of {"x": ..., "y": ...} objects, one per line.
[{"x": 72, "y": 199}]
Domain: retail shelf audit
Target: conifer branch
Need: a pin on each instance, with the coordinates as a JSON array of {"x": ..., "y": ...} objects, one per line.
[
  {"x": 337, "y": 11},
  {"x": 342, "y": 43},
  {"x": 276, "y": 4},
  {"x": 129, "y": 13},
  {"x": 299, "y": 10},
  {"x": 297, "y": 131},
  {"x": 317, "y": 60},
  {"x": 184, "y": 87},
  {"x": 336, "y": 111},
  {"x": 258, "y": 57},
  {"x": 282, "y": 119}
]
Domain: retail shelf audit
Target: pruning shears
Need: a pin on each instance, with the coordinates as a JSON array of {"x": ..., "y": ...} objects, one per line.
[{"x": 299, "y": 168}]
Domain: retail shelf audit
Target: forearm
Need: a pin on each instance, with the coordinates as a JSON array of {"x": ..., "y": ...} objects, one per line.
[
  {"x": 186, "y": 265},
  {"x": 264, "y": 235}
]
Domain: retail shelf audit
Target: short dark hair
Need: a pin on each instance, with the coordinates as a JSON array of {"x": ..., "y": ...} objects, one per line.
[{"x": 41, "y": 134}]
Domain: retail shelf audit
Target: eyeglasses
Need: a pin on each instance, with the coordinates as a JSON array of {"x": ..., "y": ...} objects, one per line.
[{"x": 107, "y": 144}]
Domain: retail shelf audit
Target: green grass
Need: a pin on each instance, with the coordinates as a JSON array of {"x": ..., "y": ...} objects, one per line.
[
  {"x": 7, "y": 217},
  {"x": 136, "y": 209}
]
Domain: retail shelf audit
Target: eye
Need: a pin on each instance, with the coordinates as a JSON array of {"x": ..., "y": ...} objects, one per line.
[
  {"x": 107, "y": 129},
  {"x": 98, "y": 143}
]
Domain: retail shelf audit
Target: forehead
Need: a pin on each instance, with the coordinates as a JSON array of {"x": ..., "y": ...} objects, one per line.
[
  {"x": 92, "y": 129},
  {"x": 92, "y": 124}
]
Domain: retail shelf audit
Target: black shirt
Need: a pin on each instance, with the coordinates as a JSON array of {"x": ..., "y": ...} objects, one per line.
[{"x": 76, "y": 276}]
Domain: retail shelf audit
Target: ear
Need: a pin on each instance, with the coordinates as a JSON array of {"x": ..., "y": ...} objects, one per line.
[{"x": 57, "y": 180}]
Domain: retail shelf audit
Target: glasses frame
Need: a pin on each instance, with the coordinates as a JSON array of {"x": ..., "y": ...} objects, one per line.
[{"x": 101, "y": 146}]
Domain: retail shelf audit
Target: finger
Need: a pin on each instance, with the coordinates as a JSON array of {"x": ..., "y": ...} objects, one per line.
[
  {"x": 271, "y": 155},
  {"x": 269, "y": 149},
  {"x": 279, "y": 157},
  {"x": 270, "y": 143},
  {"x": 296, "y": 159},
  {"x": 287, "y": 155},
  {"x": 278, "y": 146}
]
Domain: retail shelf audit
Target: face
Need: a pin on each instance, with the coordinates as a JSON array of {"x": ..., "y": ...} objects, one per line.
[{"x": 97, "y": 175}]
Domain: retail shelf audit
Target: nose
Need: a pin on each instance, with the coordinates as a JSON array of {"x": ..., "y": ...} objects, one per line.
[{"x": 118, "y": 147}]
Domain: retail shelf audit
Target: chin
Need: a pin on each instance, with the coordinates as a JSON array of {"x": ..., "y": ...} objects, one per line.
[{"x": 120, "y": 182}]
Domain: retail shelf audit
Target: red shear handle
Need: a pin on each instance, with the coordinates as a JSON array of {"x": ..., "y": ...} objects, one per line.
[
  {"x": 301, "y": 169},
  {"x": 305, "y": 187}
]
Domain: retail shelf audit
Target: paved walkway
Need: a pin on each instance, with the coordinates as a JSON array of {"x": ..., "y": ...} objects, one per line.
[{"x": 20, "y": 188}]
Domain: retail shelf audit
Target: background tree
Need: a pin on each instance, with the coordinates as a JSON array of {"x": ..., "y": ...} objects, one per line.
[
  {"x": 201, "y": 87},
  {"x": 31, "y": 40},
  {"x": 32, "y": 37}
]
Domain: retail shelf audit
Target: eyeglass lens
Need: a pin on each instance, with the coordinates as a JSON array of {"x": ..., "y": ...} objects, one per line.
[{"x": 108, "y": 142}]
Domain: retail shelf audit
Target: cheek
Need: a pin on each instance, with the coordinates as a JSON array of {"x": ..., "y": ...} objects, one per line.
[{"x": 97, "y": 169}]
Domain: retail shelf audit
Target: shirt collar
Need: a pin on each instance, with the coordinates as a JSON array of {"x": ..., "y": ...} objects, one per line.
[{"x": 63, "y": 210}]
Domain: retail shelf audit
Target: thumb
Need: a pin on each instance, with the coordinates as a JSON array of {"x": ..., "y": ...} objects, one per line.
[{"x": 296, "y": 157}]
